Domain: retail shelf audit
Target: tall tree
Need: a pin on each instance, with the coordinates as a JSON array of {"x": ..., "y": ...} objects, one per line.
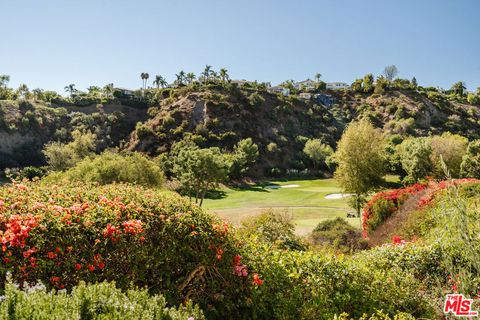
[
  {"x": 181, "y": 78},
  {"x": 450, "y": 148},
  {"x": 190, "y": 77},
  {"x": 4, "y": 80},
  {"x": 223, "y": 75},
  {"x": 414, "y": 82},
  {"x": 415, "y": 156},
  {"x": 361, "y": 160},
  {"x": 459, "y": 88},
  {"x": 317, "y": 151},
  {"x": 368, "y": 83},
  {"x": 318, "y": 76},
  {"x": 207, "y": 73},
  {"x": 108, "y": 90},
  {"x": 71, "y": 89},
  {"x": 144, "y": 76},
  {"x": 160, "y": 81},
  {"x": 390, "y": 72}
]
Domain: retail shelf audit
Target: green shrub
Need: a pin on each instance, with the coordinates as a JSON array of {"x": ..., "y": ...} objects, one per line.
[
  {"x": 110, "y": 167},
  {"x": 339, "y": 234},
  {"x": 274, "y": 228},
  {"x": 97, "y": 301}
]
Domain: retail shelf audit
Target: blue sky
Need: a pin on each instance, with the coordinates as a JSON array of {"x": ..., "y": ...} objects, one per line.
[{"x": 52, "y": 43}]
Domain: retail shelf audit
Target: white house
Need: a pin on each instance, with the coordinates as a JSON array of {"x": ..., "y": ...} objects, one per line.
[
  {"x": 337, "y": 85},
  {"x": 306, "y": 84}
]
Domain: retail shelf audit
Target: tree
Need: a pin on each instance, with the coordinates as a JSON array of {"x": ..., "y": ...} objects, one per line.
[
  {"x": 390, "y": 72},
  {"x": 71, "y": 89},
  {"x": 317, "y": 151},
  {"x": 414, "y": 82},
  {"x": 415, "y": 156},
  {"x": 181, "y": 77},
  {"x": 361, "y": 159},
  {"x": 108, "y": 90},
  {"x": 381, "y": 85},
  {"x": 190, "y": 77},
  {"x": 197, "y": 169},
  {"x": 4, "y": 80},
  {"x": 23, "y": 91},
  {"x": 244, "y": 155},
  {"x": 470, "y": 166},
  {"x": 160, "y": 81},
  {"x": 207, "y": 73},
  {"x": 144, "y": 77},
  {"x": 449, "y": 148},
  {"x": 357, "y": 85},
  {"x": 318, "y": 76},
  {"x": 459, "y": 88},
  {"x": 368, "y": 83},
  {"x": 223, "y": 73}
]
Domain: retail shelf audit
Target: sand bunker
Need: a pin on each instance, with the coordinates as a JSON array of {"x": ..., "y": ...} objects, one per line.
[
  {"x": 285, "y": 186},
  {"x": 337, "y": 195}
]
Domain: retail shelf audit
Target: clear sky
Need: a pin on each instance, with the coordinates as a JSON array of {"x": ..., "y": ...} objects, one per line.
[{"x": 52, "y": 43}]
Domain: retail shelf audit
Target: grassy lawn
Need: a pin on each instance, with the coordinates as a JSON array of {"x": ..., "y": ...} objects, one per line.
[{"x": 305, "y": 202}]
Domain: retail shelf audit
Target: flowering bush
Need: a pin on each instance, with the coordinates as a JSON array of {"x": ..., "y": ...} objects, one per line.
[
  {"x": 384, "y": 203},
  {"x": 62, "y": 234}
]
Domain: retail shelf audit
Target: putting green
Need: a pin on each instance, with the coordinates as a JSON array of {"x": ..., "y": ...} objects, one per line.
[{"x": 303, "y": 199}]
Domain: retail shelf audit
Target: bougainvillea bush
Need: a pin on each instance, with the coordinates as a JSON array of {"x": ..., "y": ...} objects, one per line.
[
  {"x": 63, "y": 234},
  {"x": 384, "y": 203},
  {"x": 93, "y": 301}
]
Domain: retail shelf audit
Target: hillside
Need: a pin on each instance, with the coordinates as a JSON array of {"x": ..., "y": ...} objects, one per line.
[
  {"x": 26, "y": 126},
  {"x": 222, "y": 115}
]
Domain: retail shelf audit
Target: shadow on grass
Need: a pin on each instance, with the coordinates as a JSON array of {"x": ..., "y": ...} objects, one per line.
[{"x": 215, "y": 194}]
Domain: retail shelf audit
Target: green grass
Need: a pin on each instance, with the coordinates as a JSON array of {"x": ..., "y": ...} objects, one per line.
[{"x": 306, "y": 203}]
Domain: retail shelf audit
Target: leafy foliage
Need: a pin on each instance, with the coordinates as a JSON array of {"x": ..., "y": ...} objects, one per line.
[{"x": 93, "y": 301}]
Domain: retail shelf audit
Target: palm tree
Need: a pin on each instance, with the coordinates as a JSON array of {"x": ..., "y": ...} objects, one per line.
[
  {"x": 207, "y": 72},
  {"x": 181, "y": 77},
  {"x": 318, "y": 76},
  {"x": 71, "y": 89},
  {"x": 160, "y": 81},
  {"x": 190, "y": 77},
  {"x": 224, "y": 74},
  {"x": 108, "y": 90},
  {"x": 144, "y": 77}
]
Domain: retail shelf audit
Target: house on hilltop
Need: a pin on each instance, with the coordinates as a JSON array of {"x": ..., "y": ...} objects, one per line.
[
  {"x": 306, "y": 85},
  {"x": 337, "y": 85}
]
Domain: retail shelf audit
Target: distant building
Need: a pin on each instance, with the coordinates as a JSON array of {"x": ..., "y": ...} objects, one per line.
[
  {"x": 125, "y": 93},
  {"x": 337, "y": 85},
  {"x": 280, "y": 90},
  {"x": 306, "y": 85}
]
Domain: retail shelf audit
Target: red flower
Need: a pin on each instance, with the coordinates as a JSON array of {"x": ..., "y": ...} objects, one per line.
[
  {"x": 51, "y": 255},
  {"x": 78, "y": 266},
  {"x": 256, "y": 280},
  {"x": 54, "y": 280},
  {"x": 90, "y": 267},
  {"x": 133, "y": 226},
  {"x": 101, "y": 265},
  {"x": 396, "y": 240}
]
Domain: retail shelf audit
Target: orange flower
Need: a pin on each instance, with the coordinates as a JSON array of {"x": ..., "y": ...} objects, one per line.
[
  {"x": 256, "y": 280},
  {"x": 51, "y": 255}
]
